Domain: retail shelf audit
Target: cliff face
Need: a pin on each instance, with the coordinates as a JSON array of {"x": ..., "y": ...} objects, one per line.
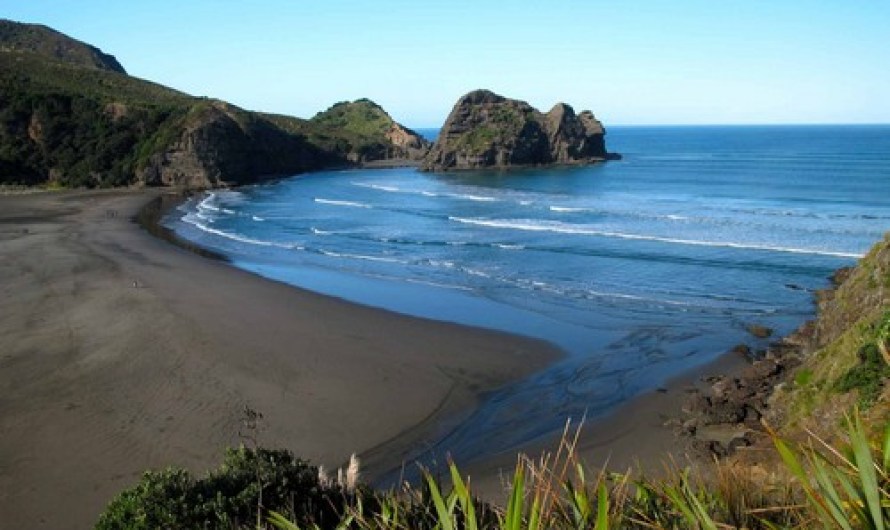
[
  {"x": 220, "y": 144},
  {"x": 485, "y": 130},
  {"x": 70, "y": 116}
]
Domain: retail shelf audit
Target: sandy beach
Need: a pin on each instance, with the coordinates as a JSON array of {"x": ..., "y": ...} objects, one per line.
[{"x": 120, "y": 352}]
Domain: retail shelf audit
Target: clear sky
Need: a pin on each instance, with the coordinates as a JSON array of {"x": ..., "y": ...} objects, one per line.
[{"x": 630, "y": 61}]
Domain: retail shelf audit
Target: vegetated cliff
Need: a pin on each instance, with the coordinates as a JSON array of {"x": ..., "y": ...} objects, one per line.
[
  {"x": 362, "y": 131},
  {"x": 70, "y": 121},
  {"x": 485, "y": 130},
  {"x": 813, "y": 378},
  {"x": 845, "y": 352},
  {"x": 47, "y": 42}
]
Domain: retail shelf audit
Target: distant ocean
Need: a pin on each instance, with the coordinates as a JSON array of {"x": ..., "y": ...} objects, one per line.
[{"x": 640, "y": 269}]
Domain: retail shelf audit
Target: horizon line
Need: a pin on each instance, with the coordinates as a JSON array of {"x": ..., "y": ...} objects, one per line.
[{"x": 773, "y": 124}]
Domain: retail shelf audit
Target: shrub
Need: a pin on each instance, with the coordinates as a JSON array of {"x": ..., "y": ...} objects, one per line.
[
  {"x": 867, "y": 376},
  {"x": 247, "y": 485}
]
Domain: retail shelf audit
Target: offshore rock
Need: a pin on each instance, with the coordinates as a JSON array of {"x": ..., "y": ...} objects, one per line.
[{"x": 486, "y": 130}]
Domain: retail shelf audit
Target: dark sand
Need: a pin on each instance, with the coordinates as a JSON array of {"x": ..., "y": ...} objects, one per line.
[
  {"x": 638, "y": 436},
  {"x": 101, "y": 380}
]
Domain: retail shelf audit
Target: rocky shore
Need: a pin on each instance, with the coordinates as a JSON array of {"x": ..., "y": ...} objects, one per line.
[{"x": 797, "y": 381}]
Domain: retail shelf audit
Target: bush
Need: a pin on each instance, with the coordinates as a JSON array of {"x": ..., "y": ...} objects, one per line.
[
  {"x": 249, "y": 483},
  {"x": 867, "y": 377}
]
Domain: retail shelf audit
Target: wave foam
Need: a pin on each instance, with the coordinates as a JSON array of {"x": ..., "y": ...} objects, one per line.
[
  {"x": 563, "y": 228},
  {"x": 379, "y": 187},
  {"x": 567, "y": 209},
  {"x": 507, "y": 246},
  {"x": 471, "y": 197},
  {"x": 349, "y": 204},
  {"x": 238, "y": 237},
  {"x": 332, "y": 254}
]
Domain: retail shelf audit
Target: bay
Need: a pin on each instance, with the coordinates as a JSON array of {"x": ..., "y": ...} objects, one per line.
[{"x": 639, "y": 269}]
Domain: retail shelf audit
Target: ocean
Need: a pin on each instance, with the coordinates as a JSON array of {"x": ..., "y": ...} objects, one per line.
[{"x": 639, "y": 269}]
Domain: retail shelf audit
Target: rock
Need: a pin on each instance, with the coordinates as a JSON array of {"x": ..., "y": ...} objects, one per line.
[
  {"x": 737, "y": 443},
  {"x": 761, "y": 332},
  {"x": 765, "y": 369},
  {"x": 221, "y": 145},
  {"x": 724, "y": 411},
  {"x": 486, "y": 130},
  {"x": 720, "y": 388},
  {"x": 696, "y": 404},
  {"x": 840, "y": 275},
  {"x": 741, "y": 349}
]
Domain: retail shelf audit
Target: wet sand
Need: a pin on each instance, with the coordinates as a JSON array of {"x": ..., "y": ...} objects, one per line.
[
  {"x": 638, "y": 436},
  {"x": 120, "y": 352}
]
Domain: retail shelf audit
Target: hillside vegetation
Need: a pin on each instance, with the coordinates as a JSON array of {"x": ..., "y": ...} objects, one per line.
[
  {"x": 70, "y": 116},
  {"x": 846, "y": 361},
  {"x": 50, "y": 43}
]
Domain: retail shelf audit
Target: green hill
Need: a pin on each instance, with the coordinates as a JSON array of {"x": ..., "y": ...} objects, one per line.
[
  {"x": 70, "y": 117},
  {"x": 50, "y": 43}
]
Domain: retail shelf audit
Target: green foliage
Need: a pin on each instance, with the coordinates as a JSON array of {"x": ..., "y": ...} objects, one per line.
[
  {"x": 53, "y": 45},
  {"x": 247, "y": 482},
  {"x": 803, "y": 377},
  {"x": 69, "y": 124},
  {"x": 477, "y": 140},
  {"x": 868, "y": 376},
  {"x": 845, "y": 486},
  {"x": 82, "y": 127},
  {"x": 356, "y": 130},
  {"x": 363, "y": 118}
]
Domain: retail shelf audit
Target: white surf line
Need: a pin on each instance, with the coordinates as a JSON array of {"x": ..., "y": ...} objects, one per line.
[{"x": 564, "y": 229}]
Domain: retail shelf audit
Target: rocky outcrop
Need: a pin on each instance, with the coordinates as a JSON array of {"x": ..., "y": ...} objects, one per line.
[
  {"x": 486, "y": 130},
  {"x": 406, "y": 143},
  {"x": 35, "y": 38},
  {"x": 222, "y": 145},
  {"x": 365, "y": 133}
]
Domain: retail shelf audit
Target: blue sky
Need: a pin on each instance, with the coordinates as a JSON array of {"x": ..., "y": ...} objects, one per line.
[{"x": 631, "y": 62}]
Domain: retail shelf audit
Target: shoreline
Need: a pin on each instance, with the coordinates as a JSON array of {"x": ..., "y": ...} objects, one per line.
[
  {"x": 644, "y": 430},
  {"x": 122, "y": 353},
  {"x": 214, "y": 379}
]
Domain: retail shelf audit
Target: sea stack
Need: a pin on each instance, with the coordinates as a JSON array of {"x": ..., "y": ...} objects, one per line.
[{"x": 486, "y": 130}]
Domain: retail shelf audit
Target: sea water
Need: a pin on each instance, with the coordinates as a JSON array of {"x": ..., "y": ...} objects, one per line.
[{"x": 639, "y": 269}]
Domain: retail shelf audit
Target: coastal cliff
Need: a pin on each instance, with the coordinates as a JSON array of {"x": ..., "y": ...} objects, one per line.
[
  {"x": 71, "y": 116},
  {"x": 486, "y": 130},
  {"x": 812, "y": 379},
  {"x": 218, "y": 144}
]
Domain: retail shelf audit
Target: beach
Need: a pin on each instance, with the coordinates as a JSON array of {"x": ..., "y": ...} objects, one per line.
[{"x": 120, "y": 352}]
